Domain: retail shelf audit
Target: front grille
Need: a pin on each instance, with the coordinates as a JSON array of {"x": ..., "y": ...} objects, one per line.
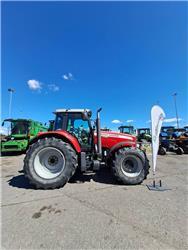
[{"x": 10, "y": 146}]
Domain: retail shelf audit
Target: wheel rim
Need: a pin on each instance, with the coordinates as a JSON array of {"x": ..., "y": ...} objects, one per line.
[
  {"x": 131, "y": 167},
  {"x": 49, "y": 162}
]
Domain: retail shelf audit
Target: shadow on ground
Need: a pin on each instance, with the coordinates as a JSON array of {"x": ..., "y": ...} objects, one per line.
[
  {"x": 20, "y": 182},
  {"x": 103, "y": 176},
  {"x": 4, "y": 154}
]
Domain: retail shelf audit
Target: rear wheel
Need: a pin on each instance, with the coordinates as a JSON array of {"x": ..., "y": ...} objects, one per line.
[
  {"x": 130, "y": 166},
  {"x": 50, "y": 163}
]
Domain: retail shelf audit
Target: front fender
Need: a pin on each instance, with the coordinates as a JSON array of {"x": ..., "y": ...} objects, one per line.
[
  {"x": 119, "y": 146},
  {"x": 61, "y": 134}
]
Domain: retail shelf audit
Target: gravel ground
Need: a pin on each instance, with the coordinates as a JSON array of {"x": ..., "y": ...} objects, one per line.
[{"x": 94, "y": 212}]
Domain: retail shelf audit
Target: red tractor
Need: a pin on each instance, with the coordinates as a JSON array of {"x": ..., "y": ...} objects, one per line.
[{"x": 54, "y": 156}]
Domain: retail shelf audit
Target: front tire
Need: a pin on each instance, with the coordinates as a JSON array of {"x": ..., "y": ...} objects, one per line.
[
  {"x": 179, "y": 151},
  {"x": 50, "y": 163},
  {"x": 130, "y": 166},
  {"x": 162, "y": 151}
]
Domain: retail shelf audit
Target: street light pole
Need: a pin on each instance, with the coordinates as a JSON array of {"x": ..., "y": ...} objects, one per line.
[
  {"x": 177, "y": 119},
  {"x": 10, "y": 101}
]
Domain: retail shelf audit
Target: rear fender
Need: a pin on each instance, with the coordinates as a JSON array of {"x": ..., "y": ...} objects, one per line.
[
  {"x": 63, "y": 135},
  {"x": 119, "y": 146}
]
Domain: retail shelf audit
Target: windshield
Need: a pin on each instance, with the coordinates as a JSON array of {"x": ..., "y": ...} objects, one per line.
[
  {"x": 128, "y": 130},
  {"x": 16, "y": 127},
  {"x": 19, "y": 127},
  {"x": 167, "y": 129},
  {"x": 143, "y": 131}
]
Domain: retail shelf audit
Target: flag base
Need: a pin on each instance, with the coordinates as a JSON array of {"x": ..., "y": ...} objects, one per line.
[{"x": 157, "y": 187}]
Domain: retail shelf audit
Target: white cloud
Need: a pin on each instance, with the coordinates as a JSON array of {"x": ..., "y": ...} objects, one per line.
[
  {"x": 169, "y": 120},
  {"x": 130, "y": 121},
  {"x": 53, "y": 87},
  {"x": 116, "y": 121},
  {"x": 34, "y": 84},
  {"x": 3, "y": 131},
  {"x": 68, "y": 76},
  {"x": 65, "y": 77},
  {"x": 37, "y": 86}
]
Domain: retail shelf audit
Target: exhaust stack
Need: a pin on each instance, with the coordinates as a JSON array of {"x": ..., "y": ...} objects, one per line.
[{"x": 99, "y": 144}]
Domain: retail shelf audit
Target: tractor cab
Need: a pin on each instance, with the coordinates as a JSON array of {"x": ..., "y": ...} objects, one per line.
[
  {"x": 127, "y": 130},
  {"x": 166, "y": 132},
  {"x": 77, "y": 123},
  {"x": 144, "y": 135},
  {"x": 167, "y": 129},
  {"x": 17, "y": 128}
]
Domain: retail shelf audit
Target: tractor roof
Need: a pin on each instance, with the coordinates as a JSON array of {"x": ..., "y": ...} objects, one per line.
[
  {"x": 126, "y": 126},
  {"x": 143, "y": 128},
  {"x": 17, "y": 120},
  {"x": 72, "y": 111},
  {"x": 167, "y": 126}
]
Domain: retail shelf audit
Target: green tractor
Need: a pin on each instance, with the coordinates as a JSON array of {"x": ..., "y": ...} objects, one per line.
[
  {"x": 127, "y": 130},
  {"x": 144, "y": 135},
  {"x": 20, "y": 132}
]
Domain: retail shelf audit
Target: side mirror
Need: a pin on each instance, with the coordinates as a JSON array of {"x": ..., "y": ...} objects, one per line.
[{"x": 3, "y": 123}]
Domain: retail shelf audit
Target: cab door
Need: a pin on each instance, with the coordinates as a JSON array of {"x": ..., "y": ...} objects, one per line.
[{"x": 81, "y": 129}]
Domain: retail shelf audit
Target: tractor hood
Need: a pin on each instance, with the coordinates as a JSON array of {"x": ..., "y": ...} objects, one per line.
[
  {"x": 111, "y": 138},
  {"x": 114, "y": 134},
  {"x": 17, "y": 136}
]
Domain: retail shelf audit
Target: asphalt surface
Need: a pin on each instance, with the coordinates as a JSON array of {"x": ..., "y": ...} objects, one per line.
[{"x": 94, "y": 212}]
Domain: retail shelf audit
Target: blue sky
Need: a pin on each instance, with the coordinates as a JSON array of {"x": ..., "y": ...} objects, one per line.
[{"x": 122, "y": 56}]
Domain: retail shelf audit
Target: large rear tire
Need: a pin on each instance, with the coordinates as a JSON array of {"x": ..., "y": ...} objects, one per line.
[
  {"x": 50, "y": 163},
  {"x": 130, "y": 166}
]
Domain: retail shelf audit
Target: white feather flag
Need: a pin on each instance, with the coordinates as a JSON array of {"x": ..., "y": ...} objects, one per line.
[{"x": 157, "y": 117}]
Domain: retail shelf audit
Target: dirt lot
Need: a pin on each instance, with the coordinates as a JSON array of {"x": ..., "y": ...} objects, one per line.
[{"x": 94, "y": 212}]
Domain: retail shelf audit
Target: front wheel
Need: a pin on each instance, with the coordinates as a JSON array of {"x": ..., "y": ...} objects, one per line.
[
  {"x": 130, "y": 166},
  {"x": 50, "y": 163},
  {"x": 179, "y": 151},
  {"x": 162, "y": 151}
]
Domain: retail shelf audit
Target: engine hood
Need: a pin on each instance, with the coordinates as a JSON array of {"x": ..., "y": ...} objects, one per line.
[
  {"x": 111, "y": 139},
  {"x": 114, "y": 134}
]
